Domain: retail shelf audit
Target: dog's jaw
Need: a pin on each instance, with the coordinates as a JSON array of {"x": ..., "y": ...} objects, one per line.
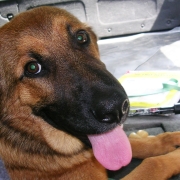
[
  {"x": 111, "y": 148},
  {"x": 54, "y": 119},
  {"x": 44, "y": 116},
  {"x": 61, "y": 141}
]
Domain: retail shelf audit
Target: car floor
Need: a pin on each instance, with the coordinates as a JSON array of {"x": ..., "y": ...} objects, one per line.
[{"x": 143, "y": 52}]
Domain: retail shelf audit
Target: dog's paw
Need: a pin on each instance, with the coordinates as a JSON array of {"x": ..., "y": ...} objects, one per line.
[
  {"x": 144, "y": 146},
  {"x": 169, "y": 140},
  {"x": 139, "y": 134}
]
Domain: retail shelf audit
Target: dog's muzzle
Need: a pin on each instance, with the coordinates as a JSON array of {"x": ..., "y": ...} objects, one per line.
[{"x": 111, "y": 107}]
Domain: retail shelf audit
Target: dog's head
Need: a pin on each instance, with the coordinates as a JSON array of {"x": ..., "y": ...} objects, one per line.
[{"x": 52, "y": 81}]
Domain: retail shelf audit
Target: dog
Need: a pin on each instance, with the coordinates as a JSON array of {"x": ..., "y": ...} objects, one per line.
[{"x": 61, "y": 110}]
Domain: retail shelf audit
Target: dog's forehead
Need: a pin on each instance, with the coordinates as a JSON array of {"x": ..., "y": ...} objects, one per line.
[
  {"x": 44, "y": 30},
  {"x": 41, "y": 19},
  {"x": 56, "y": 25},
  {"x": 44, "y": 23},
  {"x": 48, "y": 23}
]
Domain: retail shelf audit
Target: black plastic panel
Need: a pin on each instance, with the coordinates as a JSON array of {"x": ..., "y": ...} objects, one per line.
[
  {"x": 125, "y": 11},
  {"x": 7, "y": 9},
  {"x": 109, "y": 17},
  {"x": 77, "y": 8}
]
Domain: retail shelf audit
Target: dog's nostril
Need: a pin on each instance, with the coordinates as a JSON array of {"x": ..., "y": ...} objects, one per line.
[
  {"x": 111, "y": 117},
  {"x": 108, "y": 117},
  {"x": 125, "y": 106}
]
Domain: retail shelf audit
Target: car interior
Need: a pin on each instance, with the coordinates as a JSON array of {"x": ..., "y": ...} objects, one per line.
[{"x": 133, "y": 35}]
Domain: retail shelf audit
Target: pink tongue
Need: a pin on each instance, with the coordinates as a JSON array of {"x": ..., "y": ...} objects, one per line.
[{"x": 112, "y": 149}]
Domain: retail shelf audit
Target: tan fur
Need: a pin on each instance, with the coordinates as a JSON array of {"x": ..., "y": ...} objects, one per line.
[{"x": 30, "y": 147}]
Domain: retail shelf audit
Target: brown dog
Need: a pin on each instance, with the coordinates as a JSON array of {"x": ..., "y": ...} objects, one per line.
[{"x": 58, "y": 100}]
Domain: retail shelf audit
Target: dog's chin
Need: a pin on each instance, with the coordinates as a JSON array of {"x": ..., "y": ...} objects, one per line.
[
  {"x": 80, "y": 135},
  {"x": 82, "y": 138}
]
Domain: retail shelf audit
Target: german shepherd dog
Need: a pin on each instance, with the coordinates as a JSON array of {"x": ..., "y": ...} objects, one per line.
[{"x": 61, "y": 111}]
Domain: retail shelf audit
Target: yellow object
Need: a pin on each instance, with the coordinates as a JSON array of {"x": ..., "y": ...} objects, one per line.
[{"x": 144, "y": 82}]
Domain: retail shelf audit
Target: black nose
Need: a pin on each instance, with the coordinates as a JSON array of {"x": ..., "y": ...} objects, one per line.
[{"x": 112, "y": 109}]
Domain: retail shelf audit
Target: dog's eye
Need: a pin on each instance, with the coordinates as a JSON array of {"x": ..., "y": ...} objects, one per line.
[
  {"x": 81, "y": 37},
  {"x": 33, "y": 68}
]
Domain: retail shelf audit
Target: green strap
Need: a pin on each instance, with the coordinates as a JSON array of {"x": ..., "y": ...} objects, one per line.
[{"x": 167, "y": 86}]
